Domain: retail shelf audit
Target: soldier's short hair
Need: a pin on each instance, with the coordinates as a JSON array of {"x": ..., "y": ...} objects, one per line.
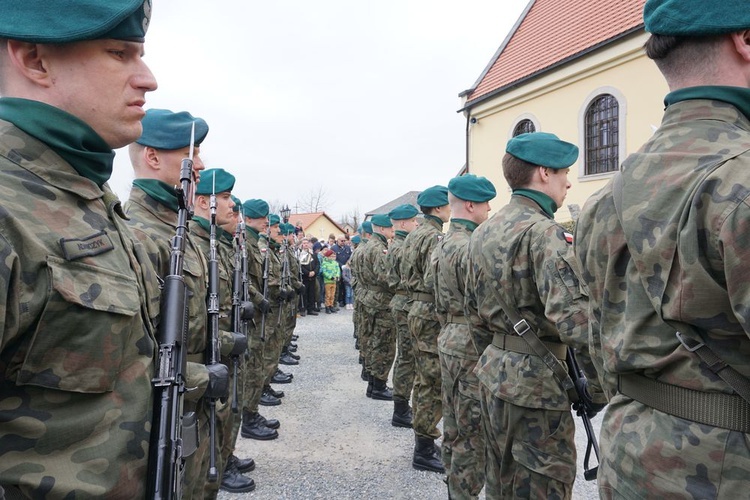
[
  {"x": 517, "y": 172},
  {"x": 682, "y": 56}
]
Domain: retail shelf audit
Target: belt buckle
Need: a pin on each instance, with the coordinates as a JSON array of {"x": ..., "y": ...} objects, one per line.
[
  {"x": 684, "y": 341},
  {"x": 521, "y": 327}
]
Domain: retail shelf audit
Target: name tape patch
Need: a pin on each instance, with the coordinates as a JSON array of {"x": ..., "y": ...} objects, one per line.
[{"x": 86, "y": 247}]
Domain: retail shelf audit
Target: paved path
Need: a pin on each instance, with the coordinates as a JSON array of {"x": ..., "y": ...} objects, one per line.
[{"x": 335, "y": 443}]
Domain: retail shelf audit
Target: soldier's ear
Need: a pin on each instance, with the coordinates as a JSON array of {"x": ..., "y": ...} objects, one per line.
[
  {"x": 741, "y": 40},
  {"x": 151, "y": 157},
  {"x": 29, "y": 60}
]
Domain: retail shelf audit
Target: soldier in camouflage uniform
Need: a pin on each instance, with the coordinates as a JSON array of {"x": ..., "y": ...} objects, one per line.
[
  {"x": 294, "y": 285},
  {"x": 357, "y": 316},
  {"x": 376, "y": 297},
  {"x": 79, "y": 296},
  {"x": 424, "y": 326},
  {"x": 520, "y": 258},
  {"x": 664, "y": 248},
  {"x": 255, "y": 425},
  {"x": 463, "y": 441},
  {"x": 233, "y": 344},
  {"x": 152, "y": 209},
  {"x": 404, "y": 218}
]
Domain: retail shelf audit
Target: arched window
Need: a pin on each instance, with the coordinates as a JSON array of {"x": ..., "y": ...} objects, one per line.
[
  {"x": 523, "y": 127},
  {"x": 602, "y": 134}
]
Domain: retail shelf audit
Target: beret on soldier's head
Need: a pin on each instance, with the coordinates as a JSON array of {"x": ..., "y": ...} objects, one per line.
[
  {"x": 366, "y": 227},
  {"x": 695, "y": 17},
  {"x": 224, "y": 181},
  {"x": 543, "y": 149},
  {"x": 255, "y": 209},
  {"x": 274, "y": 219},
  {"x": 237, "y": 203},
  {"x": 403, "y": 212},
  {"x": 63, "y": 21},
  {"x": 435, "y": 196},
  {"x": 286, "y": 229},
  {"x": 165, "y": 129},
  {"x": 381, "y": 220},
  {"x": 356, "y": 239},
  {"x": 470, "y": 187}
]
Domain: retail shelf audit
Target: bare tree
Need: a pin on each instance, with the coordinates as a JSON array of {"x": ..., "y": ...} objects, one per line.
[
  {"x": 275, "y": 206},
  {"x": 316, "y": 200},
  {"x": 353, "y": 218}
]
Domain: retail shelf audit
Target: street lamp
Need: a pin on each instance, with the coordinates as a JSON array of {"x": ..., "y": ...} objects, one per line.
[{"x": 285, "y": 213}]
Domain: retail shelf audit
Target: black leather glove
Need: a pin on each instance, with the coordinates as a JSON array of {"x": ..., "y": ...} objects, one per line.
[
  {"x": 593, "y": 408},
  {"x": 218, "y": 381},
  {"x": 247, "y": 311},
  {"x": 282, "y": 295},
  {"x": 264, "y": 306},
  {"x": 290, "y": 295},
  {"x": 240, "y": 344}
]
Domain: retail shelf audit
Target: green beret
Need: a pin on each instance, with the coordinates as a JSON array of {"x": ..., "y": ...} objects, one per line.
[
  {"x": 274, "y": 219},
  {"x": 237, "y": 203},
  {"x": 381, "y": 220},
  {"x": 63, "y": 21},
  {"x": 435, "y": 196},
  {"x": 695, "y": 17},
  {"x": 165, "y": 129},
  {"x": 366, "y": 227},
  {"x": 356, "y": 239},
  {"x": 403, "y": 212},
  {"x": 255, "y": 209},
  {"x": 286, "y": 228},
  {"x": 469, "y": 187},
  {"x": 224, "y": 182},
  {"x": 543, "y": 149}
]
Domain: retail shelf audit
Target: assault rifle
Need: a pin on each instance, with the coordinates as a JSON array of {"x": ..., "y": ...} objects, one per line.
[
  {"x": 174, "y": 436},
  {"x": 284, "y": 275},
  {"x": 242, "y": 309},
  {"x": 212, "y": 349},
  {"x": 266, "y": 263},
  {"x": 583, "y": 407}
]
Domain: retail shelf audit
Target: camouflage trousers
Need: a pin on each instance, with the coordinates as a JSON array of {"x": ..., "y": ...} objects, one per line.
[
  {"x": 225, "y": 421},
  {"x": 254, "y": 369},
  {"x": 289, "y": 321},
  {"x": 274, "y": 343},
  {"x": 381, "y": 349},
  {"x": 530, "y": 452},
  {"x": 427, "y": 403},
  {"x": 463, "y": 437},
  {"x": 364, "y": 332},
  {"x": 649, "y": 454},
  {"x": 404, "y": 371},
  {"x": 196, "y": 466}
]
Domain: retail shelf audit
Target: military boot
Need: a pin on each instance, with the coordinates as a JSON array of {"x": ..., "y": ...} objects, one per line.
[
  {"x": 252, "y": 428},
  {"x": 363, "y": 375},
  {"x": 267, "y": 399},
  {"x": 426, "y": 455},
  {"x": 275, "y": 393},
  {"x": 369, "y": 385},
  {"x": 286, "y": 359},
  {"x": 234, "y": 482},
  {"x": 241, "y": 464},
  {"x": 380, "y": 390},
  {"x": 281, "y": 378},
  {"x": 401, "y": 412}
]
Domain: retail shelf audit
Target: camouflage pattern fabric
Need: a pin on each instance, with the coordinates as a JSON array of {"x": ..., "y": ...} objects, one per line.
[
  {"x": 255, "y": 373},
  {"x": 463, "y": 440},
  {"x": 521, "y": 256},
  {"x": 291, "y": 308},
  {"x": 154, "y": 224},
  {"x": 675, "y": 264},
  {"x": 357, "y": 317},
  {"x": 424, "y": 328},
  {"x": 275, "y": 317},
  {"x": 404, "y": 368},
  {"x": 376, "y": 299},
  {"x": 77, "y": 345}
]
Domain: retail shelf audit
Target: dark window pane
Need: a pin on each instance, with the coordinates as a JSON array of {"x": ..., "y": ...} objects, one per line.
[
  {"x": 601, "y": 135},
  {"x": 524, "y": 127}
]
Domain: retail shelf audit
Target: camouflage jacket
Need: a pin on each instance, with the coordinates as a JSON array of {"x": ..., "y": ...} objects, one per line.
[
  {"x": 354, "y": 264},
  {"x": 677, "y": 262},
  {"x": 255, "y": 263},
  {"x": 400, "y": 300},
  {"x": 373, "y": 274},
  {"x": 77, "y": 344},
  {"x": 154, "y": 225},
  {"x": 448, "y": 269},
  {"x": 521, "y": 255},
  {"x": 415, "y": 264},
  {"x": 274, "y": 270}
]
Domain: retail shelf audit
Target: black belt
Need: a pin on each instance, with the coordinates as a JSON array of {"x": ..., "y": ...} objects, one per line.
[
  {"x": 710, "y": 408},
  {"x": 423, "y": 297},
  {"x": 517, "y": 344}
]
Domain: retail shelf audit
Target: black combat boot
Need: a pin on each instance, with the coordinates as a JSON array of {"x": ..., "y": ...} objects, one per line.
[
  {"x": 426, "y": 455},
  {"x": 252, "y": 428},
  {"x": 281, "y": 378},
  {"x": 275, "y": 393},
  {"x": 369, "y": 385},
  {"x": 401, "y": 412},
  {"x": 241, "y": 464},
  {"x": 234, "y": 482},
  {"x": 363, "y": 374},
  {"x": 286, "y": 359},
  {"x": 267, "y": 399},
  {"x": 271, "y": 423},
  {"x": 380, "y": 390}
]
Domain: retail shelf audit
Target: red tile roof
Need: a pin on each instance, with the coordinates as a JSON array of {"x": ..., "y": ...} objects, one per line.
[{"x": 552, "y": 31}]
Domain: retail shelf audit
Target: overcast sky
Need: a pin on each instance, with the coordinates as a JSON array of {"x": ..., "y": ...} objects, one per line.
[{"x": 358, "y": 98}]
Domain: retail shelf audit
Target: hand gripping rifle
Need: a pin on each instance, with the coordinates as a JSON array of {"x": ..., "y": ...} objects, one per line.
[
  {"x": 302, "y": 304},
  {"x": 284, "y": 274},
  {"x": 212, "y": 352},
  {"x": 242, "y": 309},
  {"x": 174, "y": 436},
  {"x": 266, "y": 263},
  {"x": 583, "y": 407}
]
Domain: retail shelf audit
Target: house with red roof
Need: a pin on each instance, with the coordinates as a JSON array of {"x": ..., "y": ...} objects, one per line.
[
  {"x": 577, "y": 69},
  {"x": 318, "y": 224}
]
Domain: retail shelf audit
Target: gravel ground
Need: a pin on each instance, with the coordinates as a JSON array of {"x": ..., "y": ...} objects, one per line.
[{"x": 336, "y": 443}]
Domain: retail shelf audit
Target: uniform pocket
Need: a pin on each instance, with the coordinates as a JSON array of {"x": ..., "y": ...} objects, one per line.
[
  {"x": 83, "y": 329},
  {"x": 546, "y": 445}
]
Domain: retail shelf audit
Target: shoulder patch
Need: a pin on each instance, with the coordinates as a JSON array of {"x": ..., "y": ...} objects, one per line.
[{"x": 568, "y": 237}]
